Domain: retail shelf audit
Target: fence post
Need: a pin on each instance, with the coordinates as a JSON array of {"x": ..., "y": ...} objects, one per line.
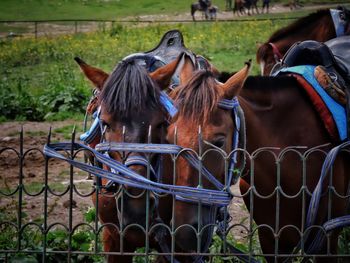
[
  {"x": 36, "y": 29},
  {"x": 75, "y": 27}
]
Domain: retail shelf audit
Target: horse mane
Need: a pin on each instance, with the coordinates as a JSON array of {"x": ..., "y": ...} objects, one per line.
[
  {"x": 197, "y": 99},
  {"x": 129, "y": 89},
  {"x": 300, "y": 23}
]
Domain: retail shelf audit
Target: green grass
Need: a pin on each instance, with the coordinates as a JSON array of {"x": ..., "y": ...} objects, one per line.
[
  {"x": 102, "y": 9},
  {"x": 39, "y": 80},
  {"x": 86, "y": 9}
]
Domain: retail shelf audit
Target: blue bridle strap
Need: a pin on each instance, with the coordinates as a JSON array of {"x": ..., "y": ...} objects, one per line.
[
  {"x": 168, "y": 104},
  {"x": 338, "y": 21},
  {"x": 94, "y": 131},
  {"x": 234, "y": 106},
  {"x": 163, "y": 149},
  {"x": 129, "y": 177},
  {"x": 316, "y": 195}
]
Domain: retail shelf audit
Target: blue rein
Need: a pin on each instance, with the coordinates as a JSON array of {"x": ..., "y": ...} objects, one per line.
[
  {"x": 121, "y": 174},
  {"x": 96, "y": 130}
]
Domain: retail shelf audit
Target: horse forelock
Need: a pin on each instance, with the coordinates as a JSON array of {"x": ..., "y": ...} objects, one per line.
[
  {"x": 298, "y": 24},
  {"x": 129, "y": 90},
  {"x": 198, "y": 98}
]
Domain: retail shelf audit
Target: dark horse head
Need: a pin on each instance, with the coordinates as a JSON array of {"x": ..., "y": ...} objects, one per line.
[
  {"x": 197, "y": 103},
  {"x": 131, "y": 112},
  {"x": 317, "y": 26}
]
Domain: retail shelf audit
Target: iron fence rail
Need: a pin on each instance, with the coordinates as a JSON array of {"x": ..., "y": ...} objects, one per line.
[{"x": 19, "y": 230}]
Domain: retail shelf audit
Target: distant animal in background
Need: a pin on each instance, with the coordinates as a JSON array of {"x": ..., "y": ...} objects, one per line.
[
  {"x": 239, "y": 7},
  {"x": 242, "y": 7},
  {"x": 251, "y": 5},
  {"x": 209, "y": 11},
  {"x": 266, "y": 5}
]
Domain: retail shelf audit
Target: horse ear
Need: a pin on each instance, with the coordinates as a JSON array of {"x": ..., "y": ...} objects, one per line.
[
  {"x": 187, "y": 69},
  {"x": 234, "y": 84},
  {"x": 263, "y": 49},
  {"x": 164, "y": 74},
  {"x": 95, "y": 75}
]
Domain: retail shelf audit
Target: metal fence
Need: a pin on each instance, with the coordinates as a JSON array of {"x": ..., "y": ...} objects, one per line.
[{"x": 47, "y": 215}]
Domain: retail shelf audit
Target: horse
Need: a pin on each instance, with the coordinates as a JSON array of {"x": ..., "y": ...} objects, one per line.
[
  {"x": 131, "y": 112},
  {"x": 316, "y": 26},
  {"x": 206, "y": 7},
  {"x": 252, "y": 4},
  {"x": 278, "y": 114},
  {"x": 241, "y": 5}
]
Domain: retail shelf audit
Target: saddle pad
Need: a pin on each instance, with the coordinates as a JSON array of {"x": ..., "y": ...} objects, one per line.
[{"x": 332, "y": 113}]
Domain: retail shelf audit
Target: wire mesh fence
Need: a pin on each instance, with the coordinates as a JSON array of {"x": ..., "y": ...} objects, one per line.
[{"x": 52, "y": 211}]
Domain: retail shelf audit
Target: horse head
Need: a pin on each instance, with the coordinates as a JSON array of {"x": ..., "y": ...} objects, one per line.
[
  {"x": 131, "y": 111},
  {"x": 197, "y": 103}
]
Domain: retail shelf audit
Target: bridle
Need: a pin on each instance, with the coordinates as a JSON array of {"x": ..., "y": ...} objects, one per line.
[{"x": 276, "y": 53}]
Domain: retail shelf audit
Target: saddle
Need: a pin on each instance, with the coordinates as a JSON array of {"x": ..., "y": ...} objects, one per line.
[
  {"x": 169, "y": 48},
  {"x": 332, "y": 55},
  {"x": 332, "y": 59}
]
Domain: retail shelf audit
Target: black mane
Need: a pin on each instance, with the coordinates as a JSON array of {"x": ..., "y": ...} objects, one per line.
[{"x": 129, "y": 90}]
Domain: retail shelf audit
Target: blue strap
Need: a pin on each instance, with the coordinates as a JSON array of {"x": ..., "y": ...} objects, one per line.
[
  {"x": 316, "y": 195},
  {"x": 161, "y": 148},
  {"x": 95, "y": 129},
  {"x": 338, "y": 22},
  {"x": 129, "y": 177},
  {"x": 168, "y": 104},
  {"x": 335, "y": 223}
]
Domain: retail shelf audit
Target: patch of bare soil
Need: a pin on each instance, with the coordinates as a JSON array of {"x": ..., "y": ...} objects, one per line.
[{"x": 33, "y": 175}]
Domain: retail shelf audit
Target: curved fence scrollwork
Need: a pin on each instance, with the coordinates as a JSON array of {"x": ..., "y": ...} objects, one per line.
[{"x": 46, "y": 211}]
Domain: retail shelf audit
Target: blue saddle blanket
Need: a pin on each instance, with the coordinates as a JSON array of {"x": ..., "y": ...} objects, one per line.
[{"x": 338, "y": 111}]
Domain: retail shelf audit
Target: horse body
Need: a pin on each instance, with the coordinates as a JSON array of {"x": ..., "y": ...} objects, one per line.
[
  {"x": 316, "y": 26},
  {"x": 277, "y": 114}
]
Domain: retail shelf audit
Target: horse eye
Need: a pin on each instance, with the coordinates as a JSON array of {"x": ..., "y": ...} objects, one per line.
[{"x": 219, "y": 143}]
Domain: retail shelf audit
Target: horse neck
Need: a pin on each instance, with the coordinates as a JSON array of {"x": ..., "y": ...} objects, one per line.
[
  {"x": 321, "y": 30},
  {"x": 281, "y": 113}
]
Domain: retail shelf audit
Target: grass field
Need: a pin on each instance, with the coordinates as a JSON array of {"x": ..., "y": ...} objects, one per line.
[
  {"x": 104, "y": 9},
  {"x": 40, "y": 78}
]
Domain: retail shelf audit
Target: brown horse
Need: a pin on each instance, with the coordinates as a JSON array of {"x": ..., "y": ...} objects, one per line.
[
  {"x": 278, "y": 114},
  {"x": 316, "y": 26},
  {"x": 241, "y": 5},
  {"x": 130, "y": 101}
]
